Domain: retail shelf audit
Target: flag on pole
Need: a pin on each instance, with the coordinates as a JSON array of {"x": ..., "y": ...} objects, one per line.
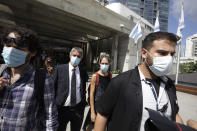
[
  {"x": 136, "y": 33},
  {"x": 181, "y": 23},
  {"x": 157, "y": 28},
  {"x": 179, "y": 33}
]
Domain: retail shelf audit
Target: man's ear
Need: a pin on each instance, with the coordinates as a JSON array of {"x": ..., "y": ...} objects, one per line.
[
  {"x": 70, "y": 56},
  {"x": 144, "y": 53}
]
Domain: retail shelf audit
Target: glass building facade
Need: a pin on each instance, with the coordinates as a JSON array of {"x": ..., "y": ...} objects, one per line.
[{"x": 148, "y": 9}]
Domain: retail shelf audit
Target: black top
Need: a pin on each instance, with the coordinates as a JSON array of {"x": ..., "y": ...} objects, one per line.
[
  {"x": 122, "y": 102},
  {"x": 156, "y": 83},
  {"x": 102, "y": 86}
]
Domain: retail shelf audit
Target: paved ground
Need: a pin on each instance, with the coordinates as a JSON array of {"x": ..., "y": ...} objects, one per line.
[
  {"x": 187, "y": 106},
  {"x": 85, "y": 113},
  {"x": 86, "y": 109}
]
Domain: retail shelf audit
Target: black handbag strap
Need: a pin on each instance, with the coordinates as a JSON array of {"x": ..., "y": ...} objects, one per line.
[{"x": 39, "y": 82}]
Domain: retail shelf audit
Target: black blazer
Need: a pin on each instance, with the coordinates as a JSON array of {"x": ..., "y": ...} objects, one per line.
[
  {"x": 122, "y": 102},
  {"x": 61, "y": 79}
]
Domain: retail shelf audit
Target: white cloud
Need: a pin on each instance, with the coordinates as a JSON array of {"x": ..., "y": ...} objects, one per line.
[{"x": 190, "y": 9}]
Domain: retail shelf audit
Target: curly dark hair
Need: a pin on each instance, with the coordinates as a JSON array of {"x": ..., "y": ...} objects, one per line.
[{"x": 26, "y": 35}]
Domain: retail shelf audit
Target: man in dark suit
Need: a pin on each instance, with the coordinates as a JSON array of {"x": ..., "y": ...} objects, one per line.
[
  {"x": 123, "y": 105},
  {"x": 70, "y": 86}
]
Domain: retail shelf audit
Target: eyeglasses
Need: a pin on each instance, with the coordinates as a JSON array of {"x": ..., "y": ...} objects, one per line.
[{"x": 20, "y": 43}]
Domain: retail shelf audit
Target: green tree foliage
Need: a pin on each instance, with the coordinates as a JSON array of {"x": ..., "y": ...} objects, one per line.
[{"x": 188, "y": 67}]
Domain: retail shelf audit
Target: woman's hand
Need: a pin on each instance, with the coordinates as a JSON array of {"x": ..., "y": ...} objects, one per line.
[
  {"x": 93, "y": 117},
  {"x": 3, "y": 81}
]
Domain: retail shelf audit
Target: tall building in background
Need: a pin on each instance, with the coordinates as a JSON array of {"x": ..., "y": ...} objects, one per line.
[
  {"x": 148, "y": 9},
  {"x": 191, "y": 46}
]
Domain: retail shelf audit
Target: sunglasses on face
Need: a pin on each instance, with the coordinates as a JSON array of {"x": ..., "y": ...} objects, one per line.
[{"x": 9, "y": 40}]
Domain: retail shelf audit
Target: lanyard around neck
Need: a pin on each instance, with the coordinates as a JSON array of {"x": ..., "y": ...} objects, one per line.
[{"x": 162, "y": 86}]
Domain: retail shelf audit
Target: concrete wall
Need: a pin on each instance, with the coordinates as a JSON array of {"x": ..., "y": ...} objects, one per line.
[
  {"x": 127, "y": 51},
  {"x": 66, "y": 23},
  {"x": 90, "y": 10}
]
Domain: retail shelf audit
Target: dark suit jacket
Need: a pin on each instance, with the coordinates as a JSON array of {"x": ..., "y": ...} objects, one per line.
[
  {"x": 122, "y": 102},
  {"x": 61, "y": 79}
]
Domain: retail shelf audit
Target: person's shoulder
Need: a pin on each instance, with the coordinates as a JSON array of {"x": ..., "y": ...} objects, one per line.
[
  {"x": 122, "y": 78},
  {"x": 170, "y": 84},
  {"x": 169, "y": 80},
  {"x": 124, "y": 75},
  {"x": 83, "y": 68},
  {"x": 61, "y": 66},
  {"x": 94, "y": 75}
]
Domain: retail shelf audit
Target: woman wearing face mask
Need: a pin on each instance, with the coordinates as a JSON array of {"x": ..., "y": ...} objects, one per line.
[{"x": 99, "y": 83}]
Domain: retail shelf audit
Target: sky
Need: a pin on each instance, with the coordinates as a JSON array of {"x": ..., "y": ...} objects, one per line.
[{"x": 190, "y": 19}]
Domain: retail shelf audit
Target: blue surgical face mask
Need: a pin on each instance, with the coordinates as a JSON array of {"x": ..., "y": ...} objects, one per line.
[
  {"x": 13, "y": 57},
  {"x": 75, "y": 60},
  {"x": 104, "y": 67}
]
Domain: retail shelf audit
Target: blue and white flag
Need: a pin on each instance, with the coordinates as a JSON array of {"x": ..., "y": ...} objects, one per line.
[
  {"x": 157, "y": 28},
  {"x": 181, "y": 23},
  {"x": 136, "y": 33}
]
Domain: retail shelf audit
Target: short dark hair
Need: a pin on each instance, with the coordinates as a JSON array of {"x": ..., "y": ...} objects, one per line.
[
  {"x": 147, "y": 43},
  {"x": 27, "y": 35}
]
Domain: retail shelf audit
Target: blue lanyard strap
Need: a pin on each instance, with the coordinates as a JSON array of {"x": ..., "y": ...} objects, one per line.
[{"x": 155, "y": 96}]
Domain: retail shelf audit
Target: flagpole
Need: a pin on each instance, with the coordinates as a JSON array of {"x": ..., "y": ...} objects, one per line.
[
  {"x": 177, "y": 65},
  {"x": 136, "y": 33},
  {"x": 180, "y": 28},
  {"x": 156, "y": 26},
  {"x": 137, "y": 59}
]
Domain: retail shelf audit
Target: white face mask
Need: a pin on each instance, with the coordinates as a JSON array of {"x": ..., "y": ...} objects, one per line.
[{"x": 161, "y": 65}]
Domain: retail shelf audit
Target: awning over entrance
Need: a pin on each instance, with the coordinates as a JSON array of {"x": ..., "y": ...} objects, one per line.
[{"x": 73, "y": 20}]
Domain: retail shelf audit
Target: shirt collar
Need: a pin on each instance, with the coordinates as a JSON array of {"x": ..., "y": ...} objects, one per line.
[
  {"x": 72, "y": 67},
  {"x": 142, "y": 77}
]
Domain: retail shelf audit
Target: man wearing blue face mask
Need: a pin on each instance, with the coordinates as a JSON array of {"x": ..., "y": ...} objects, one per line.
[
  {"x": 128, "y": 95},
  {"x": 70, "y": 86},
  {"x": 21, "y": 107}
]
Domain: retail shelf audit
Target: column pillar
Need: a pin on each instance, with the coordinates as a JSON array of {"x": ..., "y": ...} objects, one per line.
[{"x": 115, "y": 52}]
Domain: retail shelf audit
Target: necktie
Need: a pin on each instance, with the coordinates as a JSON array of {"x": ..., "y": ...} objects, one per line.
[{"x": 73, "y": 88}]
